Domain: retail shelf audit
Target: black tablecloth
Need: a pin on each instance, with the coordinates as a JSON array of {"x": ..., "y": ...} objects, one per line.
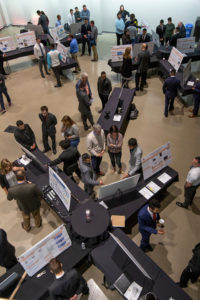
[
  {"x": 105, "y": 258},
  {"x": 127, "y": 96},
  {"x": 96, "y": 229},
  {"x": 164, "y": 52},
  {"x": 66, "y": 41}
]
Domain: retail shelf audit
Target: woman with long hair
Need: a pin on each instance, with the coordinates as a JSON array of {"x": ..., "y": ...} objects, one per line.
[
  {"x": 114, "y": 143},
  {"x": 70, "y": 131},
  {"x": 126, "y": 67}
]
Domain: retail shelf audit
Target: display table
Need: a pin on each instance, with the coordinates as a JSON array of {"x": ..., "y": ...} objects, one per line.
[
  {"x": 126, "y": 95},
  {"x": 164, "y": 52},
  {"x": 66, "y": 41},
  {"x": 112, "y": 261},
  {"x": 95, "y": 230}
]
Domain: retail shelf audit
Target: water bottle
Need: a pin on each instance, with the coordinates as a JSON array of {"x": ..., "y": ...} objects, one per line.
[{"x": 83, "y": 246}]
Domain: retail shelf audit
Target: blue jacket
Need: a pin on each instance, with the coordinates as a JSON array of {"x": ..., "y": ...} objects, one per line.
[
  {"x": 73, "y": 46},
  {"x": 170, "y": 86},
  {"x": 85, "y": 14},
  {"x": 87, "y": 82},
  {"x": 147, "y": 226},
  {"x": 119, "y": 25}
]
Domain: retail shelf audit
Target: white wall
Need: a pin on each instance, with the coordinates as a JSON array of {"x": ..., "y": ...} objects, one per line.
[{"x": 103, "y": 11}]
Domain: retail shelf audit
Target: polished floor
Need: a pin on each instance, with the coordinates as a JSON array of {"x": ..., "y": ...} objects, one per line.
[{"x": 29, "y": 91}]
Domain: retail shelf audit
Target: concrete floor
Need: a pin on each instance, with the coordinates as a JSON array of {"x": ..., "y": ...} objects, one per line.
[{"x": 29, "y": 91}]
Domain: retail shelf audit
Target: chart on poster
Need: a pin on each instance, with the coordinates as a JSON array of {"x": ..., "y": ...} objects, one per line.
[
  {"x": 26, "y": 39},
  {"x": 58, "y": 33},
  {"x": 7, "y": 43},
  {"x": 186, "y": 45},
  {"x": 175, "y": 58},
  {"x": 64, "y": 51},
  {"x": 118, "y": 51}
]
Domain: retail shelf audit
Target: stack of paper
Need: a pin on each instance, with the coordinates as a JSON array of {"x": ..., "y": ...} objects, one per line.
[
  {"x": 133, "y": 292},
  {"x": 147, "y": 194},
  {"x": 164, "y": 178},
  {"x": 153, "y": 187},
  {"x": 117, "y": 118}
]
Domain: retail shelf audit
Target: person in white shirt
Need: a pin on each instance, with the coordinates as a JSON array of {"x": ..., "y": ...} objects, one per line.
[
  {"x": 71, "y": 18},
  {"x": 53, "y": 61},
  {"x": 40, "y": 54},
  {"x": 192, "y": 183}
]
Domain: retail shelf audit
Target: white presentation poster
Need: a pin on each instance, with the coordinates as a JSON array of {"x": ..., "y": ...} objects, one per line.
[
  {"x": 186, "y": 45},
  {"x": 7, "y": 44},
  {"x": 64, "y": 51},
  {"x": 26, "y": 39},
  {"x": 175, "y": 58},
  {"x": 58, "y": 33},
  {"x": 60, "y": 188},
  {"x": 155, "y": 38},
  {"x": 137, "y": 48},
  {"x": 118, "y": 51},
  {"x": 34, "y": 259},
  {"x": 156, "y": 160}
]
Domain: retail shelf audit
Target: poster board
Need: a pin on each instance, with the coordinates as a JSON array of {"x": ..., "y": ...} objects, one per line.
[
  {"x": 156, "y": 160},
  {"x": 118, "y": 51},
  {"x": 175, "y": 58},
  {"x": 60, "y": 188},
  {"x": 7, "y": 44},
  {"x": 155, "y": 38},
  {"x": 26, "y": 39},
  {"x": 137, "y": 48},
  {"x": 76, "y": 28},
  {"x": 186, "y": 45},
  {"x": 144, "y": 24},
  {"x": 64, "y": 51},
  {"x": 58, "y": 33},
  {"x": 35, "y": 258}
]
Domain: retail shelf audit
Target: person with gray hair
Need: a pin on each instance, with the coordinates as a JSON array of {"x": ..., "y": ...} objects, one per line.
[
  {"x": 84, "y": 79},
  {"x": 96, "y": 147}
]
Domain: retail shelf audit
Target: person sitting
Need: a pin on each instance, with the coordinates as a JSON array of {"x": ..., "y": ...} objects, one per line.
[
  {"x": 70, "y": 131},
  {"x": 182, "y": 29},
  {"x": 160, "y": 30},
  {"x": 88, "y": 176},
  {"x": 144, "y": 38},
  {"x": 126, "y": 40},
  {"x": 175, "y": 37},
  {"x": 7, "y": 175},
  {"x": 67, "y": 285},
  {"x": 126, "y": 67}
]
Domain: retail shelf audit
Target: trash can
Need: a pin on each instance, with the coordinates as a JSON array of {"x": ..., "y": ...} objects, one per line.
[{"x": 188, "y": 28}]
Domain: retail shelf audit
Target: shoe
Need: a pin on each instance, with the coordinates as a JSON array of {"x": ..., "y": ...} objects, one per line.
[
  {"x": 87, "y": 127},
  {"x": 192, "y": 116},
  {"x": 48, "y": 73},
  {"x": 100, "y": 111},
  {"x": 9, "y": 103},
  {"x": 54, "y": 151},
  {"x": 149, "y": 248},
  {"x": 3, "y": 111},
  {"x": 40, "y": 223},
  {"x": 137, "y": 88},
  {"x": 93, "y": 60},
  {"x": 100, "y": 173},
  {"x": 113, "y": 170},
  {"x": 27, "y": 230},
  {"x": 43, "y": 76},
  {"x": 171, "y": 108},
  {"x": 180, "y": 204},
  {"x": 56, "y": 86},
  {"x": 190, "y": 110},
  {"x": 165, "y": 115},
  {"x": 141, "y": 89},
  {"x": 46, "y": 150},
  {"x": 120, "y": 171}
]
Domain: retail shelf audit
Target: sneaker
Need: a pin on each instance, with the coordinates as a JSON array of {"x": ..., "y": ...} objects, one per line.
[
  {"x": 180, "y": 204},
  {"x": 56, "y": 86},
  {"x": 3, "y": 111},
  {"x": 54, "y": 151},
  {"x": 43, "y": 76},
  {"x": 9, "y": 103},
  {"x": 48, "y": 73},
  {"x": 27, "y": 230}
]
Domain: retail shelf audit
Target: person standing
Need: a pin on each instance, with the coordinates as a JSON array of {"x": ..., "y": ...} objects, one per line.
[
  {"x": 170, "y": 89},
  {"x": 25, "y": 136},
  {"x": 84, "y": 79},
  {"x": 3, "y": 90},
  {"x": 2, "y": 55},
  {"x": 7, "y": 252},
  {"x": 182, "y": 29},
  {"x": 135, "y": 162},
  {"x": 67, "y": 285},
  {"x": 58, "y": 22},
  {"x": 71, "y": 17},
  {"x": 28, "y": 198},
  {"x": 104, "y": 87},
  {"x": 74, "y": 52},
  {"x": 119, "y": 27},
  {"x": 48, "y": 129},
  {"x": 70, "y": 131},
  {"x": 86, "y": 33},
  {"x": 53, "y": 61},
  {"x": 126, "y": 67},
  {"x": 43, "y": 21},
  {"x": 169, "y": 30},
  {"x": 192, "y": 183},
  {"x": 133, "y": 21},
  {"x": 114, "y": 143},
  {"x": 96, "y": 147},
  {"x": 93, "y": 40},
  {"x": 84, "y": 105},
  {"x": 124, "y": 13},
  {"x": 85, "y": 13},
  {"x": 40, "y": 54},
  {"x": 175, "y": 37},
  {"x": 88, "y": 176},
  {"x": 143, "y": 61},
  {"x": 132, "y": 32},
  {"x": 160, "y": 30},
  {"x": 196, "y": 95},
  {"x": 148, "y": 218},
  {"x": 77, "y": 15},
  {"x": 69, "y": 157}
]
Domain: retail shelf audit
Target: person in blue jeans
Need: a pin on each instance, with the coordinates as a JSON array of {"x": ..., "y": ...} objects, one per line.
[
  {"x": 3, "y": 90},
  {"x": 148, "y": 218}
]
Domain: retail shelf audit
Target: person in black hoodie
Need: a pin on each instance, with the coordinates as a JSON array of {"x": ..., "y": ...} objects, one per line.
[
  {"x": 192, "y": 271},
  {"x": 126, "y": 67},
  {"x": 7, "y": 252}
]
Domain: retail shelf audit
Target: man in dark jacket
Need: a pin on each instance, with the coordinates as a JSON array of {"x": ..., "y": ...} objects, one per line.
[
  {"x": 67, "y": 285},
  {"x": 25, "y": 136},
  {"x": 3, "y": 90},
  {"x": 48, "y": 129},
  {"x": 170, "y": 88},
  {"x": 192, "y": 271},
  {"x": 148, "y": 218},
  {"x": 182, "y": 29},
  {"x": 175, "y": 37},
  {"x": 88, "y": 176},
  {"x": 144, "y": 38},
  {"x": 143, "y": 61},
  {"x": 7, "y": 252},
  {"x": 28, "y": 198},
  {"x": 84, "y": 105},
  {"x": 43, "y": 21},
  {"x": 196, "y": 96},
  {"x": 104, "y": 87},
  {"x": 160, "y": 30},
  {"x": 69, "y": 157},
  {"x": 86, "y": 32}
]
